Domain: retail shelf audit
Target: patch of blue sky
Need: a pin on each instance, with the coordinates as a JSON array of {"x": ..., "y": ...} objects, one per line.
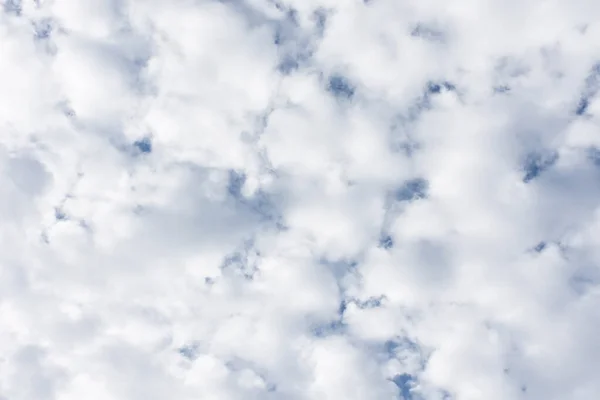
[
  {"x": 331, "y": 328},
  {"x": 42, "y": 29},
  {"x": 337, "y": 326},
  {"x": 59, "y": 214},
  {"x": 501, "y": 89},
  {"x": 437, "y": 87},
  {"x": 593, "y": 155},
  {"x": 242, "y": 262},
  {"x": 386, "y": 242},
  {"x": 320, "y": 17},
  {"x": 371, "y": 302},
  {"x": 189, "y": 351},
  {"x": 143, "y": 145},
  {"x": 235, "y": 183},
  {"x": 413, "y": 189},
  {"x": 423, "y": 103},
  {"x": 405, "y": 384},
  {"x": 592, "y": 85},
  {"x": 582, "y": 106},
  {"x": 295, "y": 45},
  {"x": 286, "y": 29},
  {"x": 14, "y": 7},
  {"x": 260, "y": 203},
  {"x": 340, "y": 87},
  {"x": 536, "y": 163},
  {"x": 540, "y": 247},
  {"x": 393, "y": 346}
]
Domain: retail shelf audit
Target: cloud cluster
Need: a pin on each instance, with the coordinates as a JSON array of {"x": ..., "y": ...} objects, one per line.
[{"x": 299, "y": 199}]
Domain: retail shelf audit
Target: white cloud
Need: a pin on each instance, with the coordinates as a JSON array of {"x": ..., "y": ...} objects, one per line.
[{"x": 299, "y": 199}]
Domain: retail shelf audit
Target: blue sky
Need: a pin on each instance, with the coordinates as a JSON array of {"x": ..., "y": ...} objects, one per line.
[{"x": 299, "y": 199}]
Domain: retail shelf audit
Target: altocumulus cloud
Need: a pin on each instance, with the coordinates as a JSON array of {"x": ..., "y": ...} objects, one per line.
[{"x": 299, "y": 199}]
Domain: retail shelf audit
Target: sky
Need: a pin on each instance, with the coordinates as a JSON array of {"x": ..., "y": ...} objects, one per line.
[{"x": 299, "y": 199}]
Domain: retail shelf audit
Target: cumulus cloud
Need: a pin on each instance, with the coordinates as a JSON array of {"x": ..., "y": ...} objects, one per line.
[{"x": 256, "y": 199}]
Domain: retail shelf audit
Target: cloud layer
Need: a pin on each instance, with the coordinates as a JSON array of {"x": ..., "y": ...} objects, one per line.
[{"x": 262, "y": 199}]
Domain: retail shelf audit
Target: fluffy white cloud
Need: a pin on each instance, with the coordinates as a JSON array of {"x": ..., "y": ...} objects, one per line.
[{"x": 252, "y": 199}]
